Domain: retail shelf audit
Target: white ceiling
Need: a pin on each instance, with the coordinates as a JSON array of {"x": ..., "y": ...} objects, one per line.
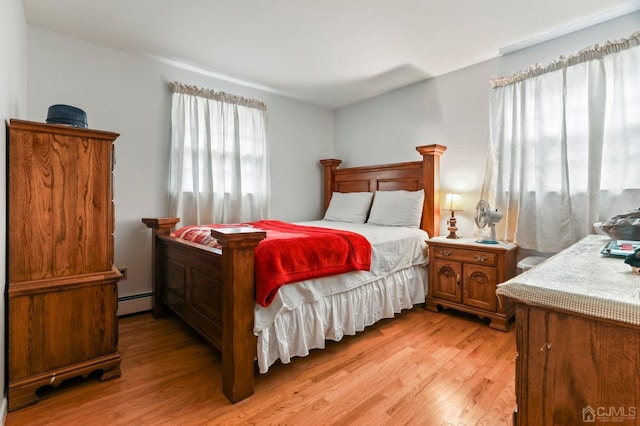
[{"x": 327, "y": 52}]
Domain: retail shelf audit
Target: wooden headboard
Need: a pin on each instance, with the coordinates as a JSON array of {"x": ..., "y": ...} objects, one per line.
[{"x": 410, "y": 176}]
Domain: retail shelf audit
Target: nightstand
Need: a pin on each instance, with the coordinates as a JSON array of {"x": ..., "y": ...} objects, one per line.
[{"x": 463, "y": 275}]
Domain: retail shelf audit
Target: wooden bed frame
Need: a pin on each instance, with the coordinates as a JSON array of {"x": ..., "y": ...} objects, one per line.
[{"x": 213, "y": 290}]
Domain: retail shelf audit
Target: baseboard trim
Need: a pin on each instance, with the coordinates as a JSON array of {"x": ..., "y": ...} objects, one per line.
[
  {"x": 135, "y": 303},
  {"x": 4, "y": 408}
]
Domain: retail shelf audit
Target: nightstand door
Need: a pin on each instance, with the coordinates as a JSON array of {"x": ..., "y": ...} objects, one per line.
[
  {"x": 448, "y": 279},
  {"x": 479, "y": 287}
]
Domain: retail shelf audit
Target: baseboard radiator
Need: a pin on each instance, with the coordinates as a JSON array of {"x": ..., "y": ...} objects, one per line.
[{"x": 134, "y": 303}]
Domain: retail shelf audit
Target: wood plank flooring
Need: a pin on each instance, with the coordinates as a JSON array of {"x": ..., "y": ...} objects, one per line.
[{"x": 422, "y": 368}]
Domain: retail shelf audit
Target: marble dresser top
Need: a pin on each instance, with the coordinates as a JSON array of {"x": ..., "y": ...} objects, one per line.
[{"x": 580, "y": 279}]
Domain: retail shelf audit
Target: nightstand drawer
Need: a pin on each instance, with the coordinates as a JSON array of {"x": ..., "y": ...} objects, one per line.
[{"x": 467, "y": 256}]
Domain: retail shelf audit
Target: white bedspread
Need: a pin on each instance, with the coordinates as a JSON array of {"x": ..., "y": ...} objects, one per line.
[{"x": 303, "y": 315}]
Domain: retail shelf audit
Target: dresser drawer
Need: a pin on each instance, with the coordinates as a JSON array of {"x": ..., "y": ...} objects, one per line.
[{"x": 467, "y": 256}]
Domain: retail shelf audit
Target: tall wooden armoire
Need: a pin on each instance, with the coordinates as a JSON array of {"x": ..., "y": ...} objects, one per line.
[{"x": 62, "y": 285}]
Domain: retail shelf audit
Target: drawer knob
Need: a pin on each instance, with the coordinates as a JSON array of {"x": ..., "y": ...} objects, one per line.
[
  {"x": 481, "y": 258},
  {"x": 445, "y": 253}
]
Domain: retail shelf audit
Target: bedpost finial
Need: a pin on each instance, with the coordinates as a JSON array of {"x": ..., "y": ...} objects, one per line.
[{"x": 433, "y": 149}]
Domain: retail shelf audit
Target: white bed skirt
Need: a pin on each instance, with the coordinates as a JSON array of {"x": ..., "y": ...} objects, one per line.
[{"x": 295, "y": 332}]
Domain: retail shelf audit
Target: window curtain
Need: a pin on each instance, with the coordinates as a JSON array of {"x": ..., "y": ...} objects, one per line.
[
  {"x": 218, "y": 166},
  {"x": 564, "y": 148}
]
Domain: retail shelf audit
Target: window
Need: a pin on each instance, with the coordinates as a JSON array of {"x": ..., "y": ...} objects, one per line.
[
  {"x": 564, "y": 146},
  {"x": 219, "y": 165}
]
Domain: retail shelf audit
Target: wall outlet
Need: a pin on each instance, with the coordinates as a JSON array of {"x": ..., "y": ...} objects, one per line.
[{"x": 123, "y": 271}]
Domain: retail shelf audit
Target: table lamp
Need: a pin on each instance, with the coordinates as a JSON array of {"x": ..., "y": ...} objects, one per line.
[{"x": 453, "y": 202}]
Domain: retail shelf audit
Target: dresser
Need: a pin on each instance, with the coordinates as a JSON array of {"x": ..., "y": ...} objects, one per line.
[
  {"x": 463, "y": 275},
  {"x": 578, "y": 339},
  {"x": 61, "y": 281}
]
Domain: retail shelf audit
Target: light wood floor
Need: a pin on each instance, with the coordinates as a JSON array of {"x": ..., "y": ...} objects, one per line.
[{"x": 422, "y": 368}]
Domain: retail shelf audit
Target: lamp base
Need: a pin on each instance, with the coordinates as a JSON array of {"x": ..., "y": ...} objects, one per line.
[{"x": 452, "y": 228}]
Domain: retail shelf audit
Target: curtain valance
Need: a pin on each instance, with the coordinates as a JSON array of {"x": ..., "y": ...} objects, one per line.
[
  {"x": 590, "y": 53},
  {"x": 177, "y": 87}
]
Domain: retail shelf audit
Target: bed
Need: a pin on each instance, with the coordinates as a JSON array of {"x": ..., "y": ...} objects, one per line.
[{"x": 213, "y": 290}]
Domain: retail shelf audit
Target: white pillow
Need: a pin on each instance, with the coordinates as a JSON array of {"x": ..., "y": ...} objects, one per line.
[
  {"x": 350, "y": 207},
  {"x": 397, "y": 208}
]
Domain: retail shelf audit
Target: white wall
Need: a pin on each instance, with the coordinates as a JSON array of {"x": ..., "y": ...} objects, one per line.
[
  {"x": 129, "y": 94},
  {"x": 13, "y": 102},
  {"x": 451, "y": 110}
]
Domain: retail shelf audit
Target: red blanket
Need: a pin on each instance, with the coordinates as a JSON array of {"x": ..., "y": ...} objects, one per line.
[{"x": 293, "y": 253}]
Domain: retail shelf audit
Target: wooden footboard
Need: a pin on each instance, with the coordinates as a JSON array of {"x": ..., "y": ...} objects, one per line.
[{"x": 213, "y": 290}]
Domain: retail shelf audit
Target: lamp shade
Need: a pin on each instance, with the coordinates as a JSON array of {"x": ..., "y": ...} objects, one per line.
[{"x": 453, "y": 201}]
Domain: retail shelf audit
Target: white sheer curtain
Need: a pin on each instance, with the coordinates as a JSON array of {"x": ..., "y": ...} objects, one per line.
[
  {"x": 219, "y": 166},
  {"x": 565, "y": 145}
]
